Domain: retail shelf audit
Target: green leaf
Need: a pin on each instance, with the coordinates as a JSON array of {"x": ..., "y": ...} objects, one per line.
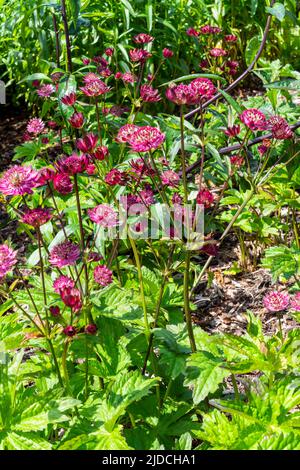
[
  {"x": 194, "y": 75},
  {"x": 36, "y": 76},
  {"x": 19, "y": 441},
  {"x": 277, "y": 10}
]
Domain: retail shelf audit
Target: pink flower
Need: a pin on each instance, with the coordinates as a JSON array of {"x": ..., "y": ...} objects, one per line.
[
  {"x": 167, "y": 53},
  {"x": 254, "y": 119},
  {"x": 125, "y": 132},
  {"x": 52, "y": 124},
  {"x": 230, "y": 38},
  {"x": 115, "y": 177},
  {"x": 295, "y": 302},
  {"x": 18, "y": 180},
  {"x": 87, "y": 143},
  {"x": 91, "y": 169},
  {"x": 46, "y": 90},
  {"x": 103, "y": 215},
  {"x": 71, "y": 297},
  {"x": 176, "y": 198},
  {"x": 95, "y": 88},
  {"x": 128, "y": 77},
  {"x": 149, "y": 94},
  {"x": 109, "y": 51},
  {"x": 146, "y": 138},
  {"x": 55, "y": 310},
  {"x": 62, "y": 183},
  {"x": 170, "y": 178},
  {"x": 91, "y": 329},
  {"x": 70, "y": 99},
  {"x": 276, "y": 301},
  {"x": 73, "y": 164},
  {"x": 8, "y": 258},
  {"x": 202, "y": 88},
  {"x": 205, "y": 197},
  {"x": 192, "y": 32},
  {"x": 76, "y": 120},
  {"x": 36, "y": 217},
  {"x": 103, "y": 275},
  {"x": 62, "y": 282},
  {"x": 237, "y": 160},
  {"x": 181, "y": 94},
  {"x": 147, "y": 197},
  {"x": 217, "y": 52},
  {"x": 91, "y": 77},
  {"x": 86, "y": 61},
  {"x": 208, "y": 29},
  {"x": 143, "y": 38},
  {"x": 139, "y": 55},
  {"x": 100, "y": 60},
  {"x": 233, "y": 131},
  {"x": 44, "y": 175},
  {"x": 280, "y": 128},
  {"x": 35, "y": 126},
  {"x": 64, "y": 254},
  {"x": 101, "y": 152},
  {"x": 69, "y": 330}
]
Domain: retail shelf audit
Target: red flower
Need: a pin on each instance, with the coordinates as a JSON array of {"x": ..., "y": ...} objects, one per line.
[
  {"x": 170, "y": 178},
  {"x": 45, "y": 175},
  {"x": 36, "y": 217},
  {"x": 146, "y": 138},
  {"x": 100, "y": 152},
  {"x": 237, "y": 160},
  {"x": 233, "y": 131},
  {"x": 69, "y": 330},
  {"x": 91, "y": 329},
  {"x": 254, "y": 119},
  {"x": 71, "y": 297},
  {"x": 115, "y": 177},
  {"x": 139, "y": 55},
  {"x": 103, "y": 215},
  {"x": 217, "y": 52},
  {"x": 181, "y": 94},
  {"x": 95, "y": 88},
  {"x": 149, "y": 94},
  {"x": 55, "y": 310},
  {"x": 192, "y": 32},
  {"x": 62, "y": 183},
  {"x": 62, "y": 282},
  {"x": 46, "y": 90},
  {"x": 70, "y": 99},
  {"x": 230, "y": 38},
  {"x": 202, "y": 88},
  {"x": 295, "y": 302},
  {"x": 76, "y": 120},
  {"x": 109, "y": 51},
  {"x": 87, "y": 143},
  {"x": 167, "y": 53},
  {"x": 208, "y": 29},
  {"x": 64, "y": 254},
  {"x": 73, "y": 164},
  {"x": 280, "y": 128},
  {"x": 143, "y": 38},
  {"x": 125, "y": 132},
  {"x": 205, "y": 197}
]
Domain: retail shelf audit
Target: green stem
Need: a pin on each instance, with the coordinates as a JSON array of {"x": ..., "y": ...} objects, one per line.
[{"x": 186, "y": 297}]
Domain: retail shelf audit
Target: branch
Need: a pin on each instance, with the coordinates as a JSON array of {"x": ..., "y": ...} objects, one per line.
[{"x": 244, "y": 74}]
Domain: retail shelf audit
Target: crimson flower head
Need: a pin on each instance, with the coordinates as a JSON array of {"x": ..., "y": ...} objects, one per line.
[
  {"x": 64, "y": 254},
  {"x": 181, "y": 94},
  {"x": 254, "y": 119},
  {"x": 95, "y": 88},
  {"x": 86, "y": 61},
  {"x": 146, "y": 138},
  {"x": 232, "y": 131},
  {"x": 91, "y": 329},
  {"x": 100, "y": 153},
  {"x": 167, "y": 53},
  {"x": 139, "y": 55},
  {"x": 62, "y": 183},
  {"x": 54, "y": 310},
  {"x": 295, "y": 302},
  {"x": 115, "y": 177},
  {"x": 205, "y": 197},
  {"x": 280, "y": 128},
  {"x": 125, "y": 132},
  {"x": 143, "y": 38},
  {"x": 69, "y": 331},
  {"x": 100, "y": 60},
  {"x": 237, "y": 160},
  {"x": 217, "y": 52},
  {"x": 202, "y": 88},
  {"x": 103, "y": 275},
  {"x": 192, "y": 32},
  {"x": 128, "y": 77},
  {"x": 87, "y": 143},
  {"x": 35, "y": 126},
  {"x": 109, "y": 51},
  {"x": 36, "y": 217},
  {"x": 71, "y": 297},
  {"x": 76, "y": 120},
  {"x": 44, "y": 175},
  {"x": 18, "y": 181},
  {"x": 62, "y": 282},
  {"x": 149, "y": 94},
  {"x": 70, "y": 99},
  {"x": 210, "y": 248},
  {"x": 118, "y": 75},
  {"x": 73, "y": 164},
  {"x": 46, "y": 90},
  {"x": 8, "y": 258},
  {"x": 36, "y": 83},
  {"x": 170, "y": 178},
  {"x": 276, "y": 301},
  {"x": 208, "y": 29},
  {"x": 230, "y": 38},
  {"x": 103, "y": 215}
]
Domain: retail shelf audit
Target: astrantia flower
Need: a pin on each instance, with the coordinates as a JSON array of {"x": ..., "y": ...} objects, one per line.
[
  {"x": 233, "y": 131},
  {"x": 35, "y": 126},
  {"x": 176, "y": 198},
  {"x": 254, "y": 119},
  {"x": 146, "y": 197},
  {"x": 276, "y": 301},
  {"x": 237, "y": 160},
  {"x": 69, "y": 330},
  {"x": 91, "y": 77},
  {"x": 62, "y": 282},
  {"x": 181, "y": 94},
  {"x": 86, "y": 61},
  {"x": 115, "y": 177},
  {"x": 170, "y": 178},
  {"x": 149, "y": 94},
  {"x": 146, "y": 138},
  {"x": 69, "y": 99},
  {"x": 95, "y": 88},
  {"x": 55, "y": 310},
  {"x": 103, "y": 215},
  {"x": 192, "y": 32},
  {"x": 125, "y": 132},
  {"x": 71, "y": 297},
  {"x": 46, "y": 90},
  {"x": 205, "y": 197},
  {"x": 64, "y": 254},
  {"x": 295, "y": 302},
  {"x": 76, "y": 120},
  {"x": 128, "y": 77},
  {"x": 280, "y": 128},
  {"x": 73, "y": 164},
  {"x": 217, "y": 52},
  {"x": 36, "y": 217},
  {"x": 91, "y": 329},
  {"x": 18, "y": 180},
  {"x": 230, "y": 38},
  {"x": 8, "y": 258},
  {"x": 202, "y": 88},
  {"x": 103, "y": 275},
  {"x": 167, "y": 53},
  {"x": 62, "y": 183},
  {"x": 56, "y": 76},
  {"x": 44, "y": 175},
  {"x": 208, "y": 29},
  {"x": 100, "y": 152},
  {"x": 143, "y": 38},
  {"x": 139, "y": 55},
  {"x": 87, "y": 143},
  {"x": 109, "y": 51}
]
